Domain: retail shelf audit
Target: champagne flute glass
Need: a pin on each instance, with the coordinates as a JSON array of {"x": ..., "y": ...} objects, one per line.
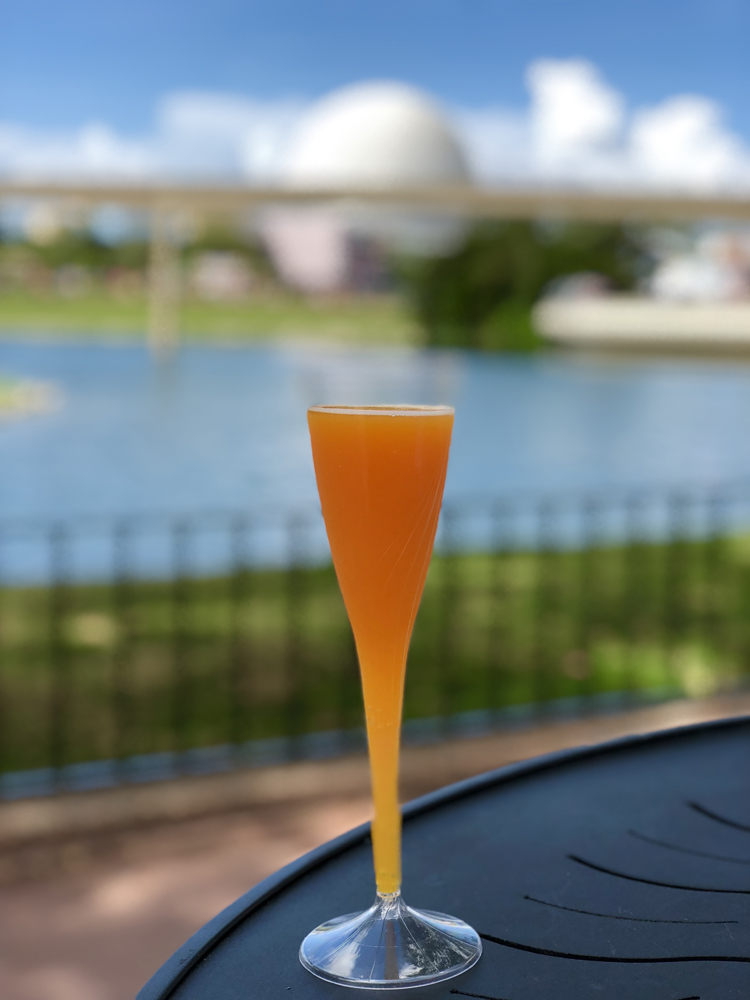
[{"x": 380, "y": 472}]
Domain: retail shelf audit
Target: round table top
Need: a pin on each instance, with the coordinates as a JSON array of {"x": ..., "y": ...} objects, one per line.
[{"x": 619, "y": 872}]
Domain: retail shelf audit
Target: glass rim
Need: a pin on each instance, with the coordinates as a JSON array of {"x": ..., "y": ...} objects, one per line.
[{"x": 383, "y": 409}]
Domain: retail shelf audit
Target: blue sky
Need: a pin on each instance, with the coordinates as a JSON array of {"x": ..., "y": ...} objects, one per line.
[
  {"x": 62, "y": 64},
  {"x": 638, "y": 93}
]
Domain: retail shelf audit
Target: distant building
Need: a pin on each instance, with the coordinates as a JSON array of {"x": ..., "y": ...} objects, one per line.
[
  {"x": 370, "y": 135},
  {"x": 315, "y": 250},
  {"x": 44, "y": 223},
  {"x": 220, "y": 276},
  {"x": 375, "y": 135},
  {"x": 716, "y": 269},
  {"x": 697, "y": 298}
]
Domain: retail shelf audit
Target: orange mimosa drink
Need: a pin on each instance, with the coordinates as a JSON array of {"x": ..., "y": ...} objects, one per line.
[{"x": 380, "y": 473}]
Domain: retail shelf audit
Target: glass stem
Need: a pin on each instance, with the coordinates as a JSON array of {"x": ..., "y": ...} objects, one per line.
[{"x": 386, "y": 825}]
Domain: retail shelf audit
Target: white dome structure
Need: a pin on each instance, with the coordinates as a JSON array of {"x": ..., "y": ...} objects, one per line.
[
  {"x": 375, "y": 135},
  {"x": 368, "y": 135}
]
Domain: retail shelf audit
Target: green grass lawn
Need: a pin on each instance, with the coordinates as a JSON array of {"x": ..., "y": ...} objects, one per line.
[{"x": 377, "y": 320}]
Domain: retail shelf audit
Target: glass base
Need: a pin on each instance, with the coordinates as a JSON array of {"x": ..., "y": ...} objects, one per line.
[{"x": 390, "y": 947}]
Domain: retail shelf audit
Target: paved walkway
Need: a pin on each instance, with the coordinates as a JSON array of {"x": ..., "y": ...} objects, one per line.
[{"x": 96, "y": 920}]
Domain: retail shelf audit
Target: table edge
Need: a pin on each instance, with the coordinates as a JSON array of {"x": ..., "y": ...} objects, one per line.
[{"x": 169, "y": 976}]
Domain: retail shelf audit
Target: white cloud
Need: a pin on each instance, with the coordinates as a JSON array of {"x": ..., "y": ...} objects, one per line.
[
  {"x": 574, "y": 114},
  {"x": 576, "y": 130},
  {"x": 94, "y": 149},
  {"x": 684, "y": 140},
  {"x": 239, "y": 135},
  {"x": 497, "y": 141},
  {"x": 215, "y": 136}
]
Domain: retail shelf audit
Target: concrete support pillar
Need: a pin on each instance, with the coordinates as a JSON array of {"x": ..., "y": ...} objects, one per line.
[{"x": 164, "y": 288}]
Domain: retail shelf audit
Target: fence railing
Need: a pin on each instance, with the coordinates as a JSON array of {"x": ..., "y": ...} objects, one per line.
[{"x": 137, "y": 648}]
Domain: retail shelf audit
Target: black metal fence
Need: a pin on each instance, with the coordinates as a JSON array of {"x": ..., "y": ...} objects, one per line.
[{"x": 144, "y": 647}]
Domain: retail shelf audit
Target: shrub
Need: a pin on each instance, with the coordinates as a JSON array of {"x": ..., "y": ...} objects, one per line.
[{"x": 481, "y": 295}]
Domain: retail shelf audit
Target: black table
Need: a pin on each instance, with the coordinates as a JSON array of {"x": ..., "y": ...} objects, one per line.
[{"x": 619, "y": 872}]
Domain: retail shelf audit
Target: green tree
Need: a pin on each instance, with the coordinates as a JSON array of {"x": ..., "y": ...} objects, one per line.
[
  {"x": 481, "y": 295},
  {"x": 227, "y": 239},
  {"x": 79, "y": 246}
]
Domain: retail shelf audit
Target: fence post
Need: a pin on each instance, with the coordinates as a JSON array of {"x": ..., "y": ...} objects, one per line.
[
  {"x": 446, "y": 631},
  {"x": 718, "y": 602},
  {"x": 634, "y": 591},
  {"x": 743, "y": 639},
  {"x": 180, "y": 672},
  {"x": 544, "y": 674},
  {"x": 589, "y": 595},
  {"x": 676, "y": 585},
  {"x": 4, "y": 708},
  {"x": 121, "y": 699},
  {"x": 732, "y": 596},
  {"x": 58, "y": 652},
  {"x": 295, "y": 697},
  {"x": 237, "y": 660},
  {"x": 498, "y": 637}
]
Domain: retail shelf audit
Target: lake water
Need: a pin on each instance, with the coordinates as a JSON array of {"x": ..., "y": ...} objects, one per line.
[{"x": 224, "y": 427}]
